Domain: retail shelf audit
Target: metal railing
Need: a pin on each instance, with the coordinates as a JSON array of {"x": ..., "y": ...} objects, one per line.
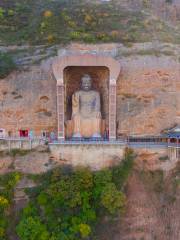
[{"x": 131, "y": 142}]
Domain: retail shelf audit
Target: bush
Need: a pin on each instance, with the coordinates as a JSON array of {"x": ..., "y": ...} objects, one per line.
[
  {"x": 7, "y": 184},
  {"x": 32, "y": 229},
  {"x": 85, "y": 230},
  {"x": 101, "y": 179},
  {"x": 83, "y": 178},
  {"x": 3, "y": 203},
  {"x": 2, "y": 233},
  {"x": 121, "y": 172},
  {"x": 112, "y": 199},
  {"x": 75, "y": 35},
  {"x": 88, "y": 37},
  {"x": 7, "y": 64}
]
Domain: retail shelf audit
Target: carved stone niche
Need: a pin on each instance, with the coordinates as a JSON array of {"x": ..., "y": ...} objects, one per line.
[{"x": 104, "y": 72}]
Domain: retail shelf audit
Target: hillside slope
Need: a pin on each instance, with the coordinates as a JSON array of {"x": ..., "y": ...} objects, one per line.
[{"x": 49, "y": 22}]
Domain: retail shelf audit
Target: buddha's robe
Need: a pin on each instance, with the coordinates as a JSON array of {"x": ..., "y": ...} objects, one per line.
[{"x": 86, "y": 113}]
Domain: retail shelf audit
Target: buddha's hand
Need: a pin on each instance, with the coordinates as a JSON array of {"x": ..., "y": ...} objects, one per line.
[
  {"x": 74, "y": 115},
  {"x": 98, "y": 115}
]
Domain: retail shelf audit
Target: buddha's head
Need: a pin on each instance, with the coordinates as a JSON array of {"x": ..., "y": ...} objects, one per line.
[{"x": 86, "y": 82}]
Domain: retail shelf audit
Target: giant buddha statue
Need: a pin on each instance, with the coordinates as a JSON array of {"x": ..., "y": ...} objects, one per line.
[{"x": 86, "y": 110}]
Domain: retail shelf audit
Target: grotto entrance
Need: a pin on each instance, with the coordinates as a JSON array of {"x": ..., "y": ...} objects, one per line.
[
  {"x": 104, "y": 70},
  {"x": 72, "y": 82}
]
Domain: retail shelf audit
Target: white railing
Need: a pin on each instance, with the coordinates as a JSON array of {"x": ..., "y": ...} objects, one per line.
[{"x": 14, "y": 138}]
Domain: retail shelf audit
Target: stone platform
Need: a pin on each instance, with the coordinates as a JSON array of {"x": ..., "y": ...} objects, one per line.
[{"x": 95, "y": 155}]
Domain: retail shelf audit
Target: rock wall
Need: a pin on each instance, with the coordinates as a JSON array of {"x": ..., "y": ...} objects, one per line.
[
  {"x": 26, "y": 144},
  {"x": 28, "y": 101},
  {"x": 95, "y": 156},
  {"x": 148, "y": 90},
  {"x": 148, "y": 94}
]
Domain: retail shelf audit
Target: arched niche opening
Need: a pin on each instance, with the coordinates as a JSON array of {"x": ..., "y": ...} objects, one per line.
[
  {"x": 71, "y": 67},
  {"x": 100, "y": 79}
]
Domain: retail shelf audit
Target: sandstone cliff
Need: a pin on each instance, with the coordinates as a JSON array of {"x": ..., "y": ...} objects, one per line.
[{"x": 148, "y": 88}]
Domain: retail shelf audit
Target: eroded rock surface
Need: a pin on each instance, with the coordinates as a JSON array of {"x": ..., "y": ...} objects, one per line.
[{"x": 148, "y": 90}]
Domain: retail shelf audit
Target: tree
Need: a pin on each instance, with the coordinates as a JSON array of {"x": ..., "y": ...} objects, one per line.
[
  {"x": 32, "y": 229},
  {"x": 112, "y": 199}
]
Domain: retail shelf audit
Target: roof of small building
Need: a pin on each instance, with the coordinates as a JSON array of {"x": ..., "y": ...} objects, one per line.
[{"x": 174, "y": 132}]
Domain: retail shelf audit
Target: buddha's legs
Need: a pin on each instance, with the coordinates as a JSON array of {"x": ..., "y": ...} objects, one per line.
[
  {"x": 77, "y": 126},
  {"x": 96, "y": 127}
]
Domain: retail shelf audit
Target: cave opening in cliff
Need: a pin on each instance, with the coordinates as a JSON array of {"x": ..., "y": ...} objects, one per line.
[{"x": 100, "y": 82}]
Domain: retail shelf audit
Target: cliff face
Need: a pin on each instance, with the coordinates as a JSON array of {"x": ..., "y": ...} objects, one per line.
[
  {"x": 28, "y": 100},
  {"x": 150, "y": 214},
  {"x": 148, "y": 94},
  {"x": 153, "y": 196},
  {"x": 148, "y": 89}
]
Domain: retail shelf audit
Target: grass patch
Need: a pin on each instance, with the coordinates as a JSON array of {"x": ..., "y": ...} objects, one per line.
[{"x": 50, "y": 22}]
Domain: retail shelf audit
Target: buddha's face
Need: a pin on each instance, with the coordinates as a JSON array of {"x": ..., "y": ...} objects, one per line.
[{"x": 86, "y": 83}]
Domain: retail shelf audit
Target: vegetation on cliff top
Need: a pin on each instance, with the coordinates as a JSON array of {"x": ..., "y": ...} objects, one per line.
[
  {"x": 49, "y": 22},
  {"x": 6, "y": 64}
]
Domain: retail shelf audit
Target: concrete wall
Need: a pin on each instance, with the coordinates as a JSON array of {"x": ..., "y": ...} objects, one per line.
[
  {"x": 96, "y": 156},
  {"x": 19, "y": 144}
]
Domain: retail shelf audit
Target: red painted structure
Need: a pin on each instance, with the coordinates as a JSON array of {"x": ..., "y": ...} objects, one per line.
[{"x": 23, "y": 133}]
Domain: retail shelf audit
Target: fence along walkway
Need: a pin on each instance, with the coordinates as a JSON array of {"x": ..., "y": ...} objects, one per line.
[
  {"x": 8, "y": 143},
  {"x": 135, "y": 142}
]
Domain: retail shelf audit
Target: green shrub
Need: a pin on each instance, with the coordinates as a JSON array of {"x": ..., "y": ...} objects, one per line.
[
  {"x": 2, "y": 233},
  {"x": 2, "y": 11},
  {"x": 30, "y": 210},
  {"x": 75, "y": 35},
  {"x": 7, "y": 184},
  {"x": 121, "y": 172},
  {"x": 112, "y": 199},
  {"x": 42, "y": 199},
  {"x": 163, "y": 158},
  {"x": 88, "y": 37},
  {"x": 101, "y": 179},
  {"x": 4, "y": 203},
  {"x": 85, "y": 230},
  {"x": 83, "y": 178},
  {"x": 32, "y": 229},
  {"x": 7, "y": 64}
]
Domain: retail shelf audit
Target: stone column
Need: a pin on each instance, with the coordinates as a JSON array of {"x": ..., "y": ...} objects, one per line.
[
  {"x": 112, "y": 111},
  {"x": 60, "y": 111}
]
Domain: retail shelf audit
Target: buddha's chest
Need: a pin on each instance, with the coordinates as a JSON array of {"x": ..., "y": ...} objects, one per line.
[{"x": 87, "y": 99}]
